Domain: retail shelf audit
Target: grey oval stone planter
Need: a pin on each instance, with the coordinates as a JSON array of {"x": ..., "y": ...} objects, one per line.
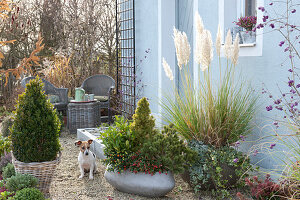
[{"x": 141, "y": 184}]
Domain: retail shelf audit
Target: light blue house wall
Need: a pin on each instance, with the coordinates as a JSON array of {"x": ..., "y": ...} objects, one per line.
[
  {"x": 185, "y": 22},
  {"x": 260, "y": 64},
  {"x": 155, "y": 20}
]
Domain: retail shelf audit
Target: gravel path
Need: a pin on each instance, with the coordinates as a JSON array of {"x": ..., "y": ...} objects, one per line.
[{"x": 66, "y": 184}]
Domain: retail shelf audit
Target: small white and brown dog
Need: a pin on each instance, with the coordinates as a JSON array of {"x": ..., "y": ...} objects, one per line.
[{"x": 86, "y": 158}]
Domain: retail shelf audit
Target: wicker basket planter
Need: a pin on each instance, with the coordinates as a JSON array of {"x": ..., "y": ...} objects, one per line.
[{"x": 43, "y": 171}]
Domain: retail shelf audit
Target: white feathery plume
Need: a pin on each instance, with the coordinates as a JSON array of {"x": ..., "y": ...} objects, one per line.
[
  {"x": 206, "y": 54},
  {"x": 199, "y": 23},
  {"x": 186, "y": 49},
  {"x": 199, "y": 31},
  {"x": 167, "y": 69},
  {"x": 182, "y": 47},
  {"x": 197, "y": 55},
  {"x": 236, "y": 50},
  {"x": 228, "y": 45},
  {"x": 177, "y": 42},
  {"x": 218, "y": 41}
]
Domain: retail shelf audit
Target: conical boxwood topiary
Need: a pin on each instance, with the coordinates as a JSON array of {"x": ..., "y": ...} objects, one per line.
[{"x": 35, "y": 131}]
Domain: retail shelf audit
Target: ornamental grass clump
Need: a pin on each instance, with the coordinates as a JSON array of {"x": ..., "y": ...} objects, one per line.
[
  {"x": 35, "y": 131},
  {"x": 217, "y": 113},
  {"x": 138, "y": 147},
  {"x": 212, "y": 116}
]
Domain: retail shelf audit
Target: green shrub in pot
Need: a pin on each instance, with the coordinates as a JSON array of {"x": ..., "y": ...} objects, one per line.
[
  {"x": 119, "y": 143},
  {"x": 143, "y": 122},
  {"x": 35, "y": 131},
  {"x": 217, "y": 169},
  {"x": 167, "y": 150},
  {"x": 132, "y": 146}
]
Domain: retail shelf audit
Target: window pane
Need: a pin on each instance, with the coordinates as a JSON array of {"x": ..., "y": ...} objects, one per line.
[{"x": 250, "y": 7}]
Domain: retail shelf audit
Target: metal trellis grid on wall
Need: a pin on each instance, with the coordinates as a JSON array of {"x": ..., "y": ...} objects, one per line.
[{"x": 126, "y": 77}]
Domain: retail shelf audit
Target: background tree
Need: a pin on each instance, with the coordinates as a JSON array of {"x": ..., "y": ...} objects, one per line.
[
  {"x": 79, "y": 39},
  {"x": 51, "y": 26}
]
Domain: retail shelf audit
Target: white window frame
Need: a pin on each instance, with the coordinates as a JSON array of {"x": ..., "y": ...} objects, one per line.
[{"x": 254, "y": 49}]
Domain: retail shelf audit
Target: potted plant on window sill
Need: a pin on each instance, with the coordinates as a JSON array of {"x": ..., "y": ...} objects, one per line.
[
  {"x": 35, "y": 135},
  {"x": 140, "y": 159},
  {"x": 247, "y": 23}
]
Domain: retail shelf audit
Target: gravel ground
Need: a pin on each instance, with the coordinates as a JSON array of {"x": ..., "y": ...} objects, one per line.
[{"x": 66, "y": 185}]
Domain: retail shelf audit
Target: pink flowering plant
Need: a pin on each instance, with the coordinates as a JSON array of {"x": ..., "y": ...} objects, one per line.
[{"x": 247, "y": 22}]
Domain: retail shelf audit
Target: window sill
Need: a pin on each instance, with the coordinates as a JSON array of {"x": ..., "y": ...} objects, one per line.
[{"x": 248, "y": 45}]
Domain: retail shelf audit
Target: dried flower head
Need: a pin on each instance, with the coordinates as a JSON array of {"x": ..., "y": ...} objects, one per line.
[
  {"x": 199, "y": 23},
  {"x": 186, "y": 49},
  {"x": 197, "y": 55},
  {"x": 182, "y": 47},
  {"x": 236, "y": 50},
  {"x": 218, "y": 41},
  {"x": 167, "y": 69},
  {"x": 199, "y": 31},
  {"x": 228, "y": 45},
  {"x": 206, "y": 54}
]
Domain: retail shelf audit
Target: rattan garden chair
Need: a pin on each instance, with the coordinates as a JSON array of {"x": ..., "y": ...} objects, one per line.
[
  {"x": 58, "y": 96},
  {"x": 101, "y": 86}
]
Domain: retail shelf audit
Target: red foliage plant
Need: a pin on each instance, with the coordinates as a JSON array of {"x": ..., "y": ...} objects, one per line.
[{"x": 262, "y": 190}]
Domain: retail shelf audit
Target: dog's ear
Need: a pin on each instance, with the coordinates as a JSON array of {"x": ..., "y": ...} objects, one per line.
[
  {"x": 77, "y": 143},
  {"x": 90, "y": 141}
]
